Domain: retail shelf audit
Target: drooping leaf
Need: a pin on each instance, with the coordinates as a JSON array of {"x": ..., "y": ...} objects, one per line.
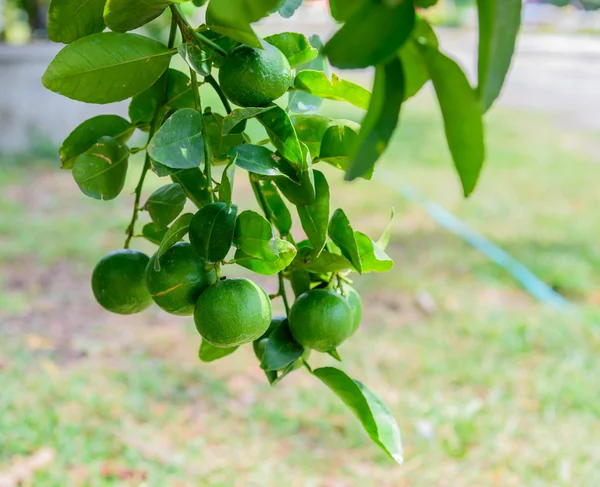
[
  {"x": 196, "y": 58},
  {"x": 254, "y": 236},
  {"x": 282, "y": 219},
  {"x": 384, "y": 240},
  {"x": 281, "y": 132},
  {"x": 178, "y": 143},
  {"x": 342, "y": 234},
  {"x": 286, "y": 8},
  {"x": 226, "y": 186},
  {"x": 87, "y": 134},
  {"x": 383, "y": 26},
  {"x": 499, "y": 23},
  {"x": 299, "y": 101},
  {"x": 165, "y": 204},
  {"x": 210, "y": 353},
  {"x": 294, "y": 46},
  {"x": 86, "y": 69},
  {"x": 100, "y": 171},
  {"x": 286, "y": 250},
  {"x": 324, "y": 263},
  {"x": 257, "y": 159},
  {"x": 461, "y": 112},
  {"x": 381, "y": 119},
  {"x": 281, "y": 349},
  {"x": 152, "y": 234},
  {"x": 316, "y": 83},
  {"x": 373, "y": 257},
  {"x": 310, "y": 130},
  {"x": 68, "y": 20},
  {"x": 211, "y": 231},
  {"x": 238, "y": 115},
  {"x": 125, "y": 15},
  {"x": 194, "y": 183},
  {"x": 315, "y": 217},
  {"x": 174, "y": 234},
  {"x": 220, "y": 145},
  {"x": 375, "y": 417}
]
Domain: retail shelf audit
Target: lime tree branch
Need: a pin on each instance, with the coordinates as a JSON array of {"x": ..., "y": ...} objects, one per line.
[{"x": 213, "y": 82}]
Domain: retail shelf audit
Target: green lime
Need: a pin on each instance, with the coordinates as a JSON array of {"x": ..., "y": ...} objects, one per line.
[
  {"x": 232, "y": 312},
  {"x": 180, "y": 280},
  {"x": 355, "y": 303},
  {"x": 321, "y": 319},
  {"x": 252, "y": 77},
  {"x": 118, "y": 282}
]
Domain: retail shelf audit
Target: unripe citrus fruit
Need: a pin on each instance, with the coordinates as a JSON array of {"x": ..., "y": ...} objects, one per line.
[
  {"x": 252, "y": 77},
  {"x": 118, "y": 282},
  {"x": 232, "y": 312},
  {"x": 180, "y": 280},
  {"x": 355, "y": 303},
  {"x": 321, "y": 319}
]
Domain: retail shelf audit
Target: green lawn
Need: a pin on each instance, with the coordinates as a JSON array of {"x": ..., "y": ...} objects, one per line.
[{"x": 489, "y": 387}]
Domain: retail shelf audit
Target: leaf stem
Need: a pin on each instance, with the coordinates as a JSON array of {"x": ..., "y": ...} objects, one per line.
[
  {"x": 213, "y": 82},
  {"x": 190, "y": 31}
]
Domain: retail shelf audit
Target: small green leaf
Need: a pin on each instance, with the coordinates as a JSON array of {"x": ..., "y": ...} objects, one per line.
[
  {"x": 87, "y": 134},
  {"x": 174, "y": 234},
  {"x": 282, "y": 219},
  {"x": 324, "y": 263},
  {"x": 310, "y": 130},
  {"x": 373, "y": 258},
  {"x": 381, "y": 119},
  {"x": 220, "y": 145},
  {"x": 287, "y": 8},
  {"x": 343, "y": 236},
  {"x": 193, "y": 182},
  {"x": 286, "y": 250},
  {"x": 254, "y": 236},
  {"x": 100, "y": 171},
  {"x": 279, "y": 127},
  {"x": 299, "y": 101},
  {"x": 281, "y": 349},
  {"x": 196, "y": 58},
  {"x": 294, "y": 46},
  {"x": 210, "y": 353},
  {"x": 316, "y": 83},
  {"x": 178, "y": 143},
  {"x": 257, "y": 159},
  {"x": 152, "y": 234},
  {"x": 238, "y": 115},
  {"x": 384, "y": 240},
  {"x": 86, "y": 70},
  {"x": 68, "y": 20},
  {"x": 315, "y": 217},
  {"x": 165, "y": 204},
  {"x": 335, "y": 354},
  {"x": 211, "y": 231},
  {"x": 462, "y": 116},
  {"x": 125, "y": 15},
  {"x": 375, "y": 417},
  {"x": 226, "y": 186}
]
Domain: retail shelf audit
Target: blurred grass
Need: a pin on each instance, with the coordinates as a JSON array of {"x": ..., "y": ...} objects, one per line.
[{"x": 489, "y": 387}]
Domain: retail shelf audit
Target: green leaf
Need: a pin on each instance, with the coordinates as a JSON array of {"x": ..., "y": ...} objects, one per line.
[
  {"x": 461, "y": 112},
  {"x": 165, "y": 204},
  {"x": 178, "y": 142},
  {"x": 299, "y": 101},
  {"x": 125, "y": 15},
  {"x": 342, "y": 10},
  {"x": 195, "y": 185},
  {"x": 317, "y": 83},
  {"x": 335, "y": 354},
  {"x": 282, "y": 219},
  {"x": 87, "y": 134},
  {"x": 220, "y": 145},
  {"x": 499, "y": 23},
  {"x": 211, "y": 231},
  {"x": 373, "y": 258},
  {"x": 375, "y": 417},
  {"x": 68, "y": 20},
  {"x": 226, "y": 186},
  {"x": 294, "y": 46},
  {"x": 384, "y": 240},
  {"x": 303, "y": 192},
  {"x": 300, "y": 281},
  {"x": 232, "y": 18},
  {"x": 196, "y": 58},
  {"x": 257, "y": 159},
  {"x": 281, "y": 132},
  {"x": 174, "y": 234},
  {"x": 339, "y": 145},
  {"x": 315, "y": 217},
  {"x": 286, "y": 250},
  {"x": 383, "y": 26},
  {"x": 100, "y": 171},
  {"x": 179, "y": 95},
  {"x": 343, "y": 236},
  {"x": 152, "y": 234},
  {"x": 210, "y": 353},
  {"x": 238, "y": 115},
  {"x": 381, "y": 119},
  {"x": 281, "y": 349},
  {"x": 86, "y": 70},
  {"x": 324, "y": 263},
  {"x": 288, "y": 7},
  {"x": 254, "y": 236},
  {"x": 310, "y": 130}
]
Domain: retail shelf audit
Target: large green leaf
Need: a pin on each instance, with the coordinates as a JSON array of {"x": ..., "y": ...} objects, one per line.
[
  {"x": 174, "y": 234},
  {"x": 499, "y": 22},
  {"x": 373, "y": 257},
  {"x": 257, "y": 159},
  {"x": 281, "y": 132},
  {"x": 299, "y": 101},
  {"x": 254, "y": 236},
  {"x": 316, "y": 83},
  {"x": 281, "y": 349},
  {"x": 211, "y": 231},
  {"x": 100, "y": 171},
  {"x": 165, "y": 204},
  {"x": 375, "y": 417},
  {"x": 461, "y": 112},
  {"x": 232, "y": 18},
  {"x": 86, "y": 70},
  {"x": 342, "y": 10},
  {"x": 68, "y": 20},
  {"x": 310, "y": 130},
  {"x": 87, "y": 134},
  {"x": 238, "y": 115},
  {"x": 381, "y": 119},
  {"x": 286, "y": 250},
  {"x": 282, "y": 219},
  {"x": 178, "y": 143},
  {"x": 342, "y": 234},
  {"x": 339, "y": 144},
  {"x": 124, "y": 15},
  {"x": 194, "y": 183},
  {"x": 326, "y": 261},
  {"x": 294, "y": 46},
  {"x": 299, "y": 190},
  {"x": 315, "y": 217},
  {"x": 210, "y": 353},
  {"x": 372, "y": 34}
]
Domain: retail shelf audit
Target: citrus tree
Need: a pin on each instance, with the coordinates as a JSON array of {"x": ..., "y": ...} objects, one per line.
[{"x": 201, "y": 150}]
